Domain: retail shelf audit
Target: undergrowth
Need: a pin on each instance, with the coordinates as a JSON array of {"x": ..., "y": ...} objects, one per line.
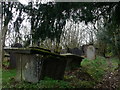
[
  {"x": 93, "y": 69},
  {"x": 98, "y": 67}
]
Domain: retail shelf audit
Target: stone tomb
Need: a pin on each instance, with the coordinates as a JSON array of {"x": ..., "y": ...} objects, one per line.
[
  {"x": 32, "y": 66},
  {"x": 53, "y": 67},
  {"x": 90, "y": 52},
  {"x": 73, "y": 61},
  {"x": 73, "y": 56},
  {"x": 13, "y": 57},
  {"x": 75, "y": 51}
]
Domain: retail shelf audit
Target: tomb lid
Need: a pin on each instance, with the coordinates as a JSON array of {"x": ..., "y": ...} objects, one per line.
[
  {"x": 41, "y": 48},
  {"x": 31, "y": 51},
  {"x": 70, "y": 55}
]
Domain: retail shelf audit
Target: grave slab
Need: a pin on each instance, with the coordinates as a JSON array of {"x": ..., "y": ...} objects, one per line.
[
  {"x": 32, "y": 66},
  {"x": 90, "y": 53},
  {"x": 73, "y": 60}
]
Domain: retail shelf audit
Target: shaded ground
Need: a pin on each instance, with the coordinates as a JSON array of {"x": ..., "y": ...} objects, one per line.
[
  {"x": 111, "y": 80},
  {"x": 99, "y": 73},
  {"x": 79, "y": 73}
]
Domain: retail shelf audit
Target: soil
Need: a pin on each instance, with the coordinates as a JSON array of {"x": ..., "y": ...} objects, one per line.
[
  {"x": 80, "y": 74},
  {"x": 110, "y": 81}
]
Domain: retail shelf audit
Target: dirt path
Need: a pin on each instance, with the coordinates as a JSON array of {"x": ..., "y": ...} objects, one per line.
[{"x": 111, "y": 80}]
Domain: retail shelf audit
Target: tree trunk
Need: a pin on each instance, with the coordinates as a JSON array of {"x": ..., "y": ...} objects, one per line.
[
  {"x": 1, "y": 40},
  {"x": 1, "y": 49},
  {"x": 4, "y": 31}
]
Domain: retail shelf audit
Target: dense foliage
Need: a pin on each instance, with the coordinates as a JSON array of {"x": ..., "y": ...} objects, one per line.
[
  {"x": 48, "y": 19},
  {"x": 87, "y": 76}
]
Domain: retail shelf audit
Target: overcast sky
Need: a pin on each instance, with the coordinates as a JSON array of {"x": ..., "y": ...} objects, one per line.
[
  {"x": 27, "y": 24},
  {"x": 24, "y": 1}
]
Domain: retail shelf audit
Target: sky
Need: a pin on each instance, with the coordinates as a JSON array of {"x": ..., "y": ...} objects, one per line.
[
  {"x": 27, "y": 24},
  {"x": 24, "y": 1}
]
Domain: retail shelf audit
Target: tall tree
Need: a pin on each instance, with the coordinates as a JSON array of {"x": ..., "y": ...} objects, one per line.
[
  {"x": 1, "y": 50},
  {"x": 48, "y": 20},
  {"x": 6, "y": 16}
]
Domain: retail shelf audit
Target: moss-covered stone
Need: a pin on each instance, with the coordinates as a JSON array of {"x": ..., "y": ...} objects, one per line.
[
  {"x": 32, "y": 51},
  {"x": 33, "y": 64}
]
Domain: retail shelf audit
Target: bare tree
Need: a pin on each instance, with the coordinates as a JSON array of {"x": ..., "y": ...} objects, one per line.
[
  {"x": 1, "y": 36},
  {"x": 77, "y": 34}
]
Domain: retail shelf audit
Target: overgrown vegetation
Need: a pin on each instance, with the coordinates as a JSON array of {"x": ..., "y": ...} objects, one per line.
[
  {"x": 98, "y": 67},
  {"x": 7, "y": 75},
  {"x": 87, "y": 76},
  {"x": 48, "y": 22}
]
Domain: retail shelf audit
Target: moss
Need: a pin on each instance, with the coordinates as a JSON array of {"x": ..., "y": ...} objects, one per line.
[
  {"x": 43, "y": 52},
  {"x": 32, "y": 51},
  {"x": 7, "y": 75}
]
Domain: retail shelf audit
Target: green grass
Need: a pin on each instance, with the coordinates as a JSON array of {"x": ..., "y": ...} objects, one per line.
[
  {"x": 84, "y": 84},
  {"x": 114, "y": 62},
  {"x": 7, "y": 75},
  {"x": 98, "y": 67},
  {"x": 95, "y": 68},
  {"x": 0, "y": 78},
  {"x": 50, "y": 83},
  {"x": 6, "y": 63},
  {"x": 46, "y": 83}
]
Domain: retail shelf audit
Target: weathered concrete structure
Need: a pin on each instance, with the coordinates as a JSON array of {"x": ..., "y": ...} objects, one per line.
[
  {"x": 13, "y": 57},
  {"x": 90, "y": 53},
  {"x": 73, "y": 60},
  {"x": 33, "y": 64}
]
